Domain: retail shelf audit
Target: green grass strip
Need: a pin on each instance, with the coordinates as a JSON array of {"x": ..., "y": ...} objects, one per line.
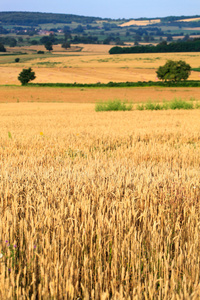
[
  {"x": 115, "y": 105},
  {"x": 175, "y": 104}
]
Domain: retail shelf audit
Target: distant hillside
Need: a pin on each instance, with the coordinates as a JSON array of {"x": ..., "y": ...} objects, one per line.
[
  {"x": 146, "y": 22},
  {"x": 180, "y": 18},
  {"x": 35, "y": 18}
]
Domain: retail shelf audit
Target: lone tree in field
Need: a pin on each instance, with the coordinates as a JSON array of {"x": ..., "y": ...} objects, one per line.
[
  {"x": 2, "y": 48},
  {"x": 174, "y": 71},
  {"x": 66, "y": 45},
  {"x": 26, "y": 75},
  {"x": 48, "y": 46}
]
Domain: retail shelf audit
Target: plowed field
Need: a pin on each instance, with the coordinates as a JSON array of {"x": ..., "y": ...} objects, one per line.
[{"x": 92, "y": 95}]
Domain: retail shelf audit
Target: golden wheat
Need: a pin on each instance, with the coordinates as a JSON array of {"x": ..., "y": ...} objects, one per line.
[
  {"x": 98, "y": 205},
  {"x": 140, "y": 22}
]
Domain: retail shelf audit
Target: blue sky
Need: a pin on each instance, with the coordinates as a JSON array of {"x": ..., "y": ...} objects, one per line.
[{"x": 107, "y": 8}]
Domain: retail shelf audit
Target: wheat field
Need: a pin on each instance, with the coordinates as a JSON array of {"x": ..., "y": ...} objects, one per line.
[
  {"x": 98, "y": 205},
  {"x": 140, "y": 22}
]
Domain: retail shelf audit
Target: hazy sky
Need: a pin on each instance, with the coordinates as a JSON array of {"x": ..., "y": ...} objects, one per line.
[{"x": 107, "y": 8}]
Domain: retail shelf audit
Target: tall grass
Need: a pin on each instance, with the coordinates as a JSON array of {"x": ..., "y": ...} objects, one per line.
[
  {"x": 175, "y": 104},
  {"x": 115, "y": 105},
  {"x": 94, "y": 208}
]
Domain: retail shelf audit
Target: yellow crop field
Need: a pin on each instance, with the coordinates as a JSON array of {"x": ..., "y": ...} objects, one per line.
[
  {"x": 98, "y": 205},
  {"x": 155, "y": 21},
  {"x": 140, "y": 22},
  {"x": 189, "y": 20},
  {"x": 57, "y": 49},
  {"x": 91, "y": 66}
]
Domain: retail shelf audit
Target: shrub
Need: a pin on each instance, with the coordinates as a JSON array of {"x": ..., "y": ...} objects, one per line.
[
  {"x": 165, "y": 106},
  {"x": 158, "y": 107},
  {"x": 179, "y": 104},
  {"x": 140, "y": 107},
  {"x": 40, "y": 52},
  {"x": 150, "y": 106},
  {"x": 17, "y": 59},
  {"x": 115, "y": 105},
  {"x": 175, "y": 104},
  {"x": 153, "y": 106}
]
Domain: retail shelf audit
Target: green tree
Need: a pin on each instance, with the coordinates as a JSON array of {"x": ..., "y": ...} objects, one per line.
[
  {"x": 67, "y": 35},
  {"x": 79, "y": 29},
  {"x": 66, "y": 45},
  {"x": 12, "y": 42},
  {"x": 174, "y": 71},
  {"x": 169, "y": 38},
  {"x": 146, "y": 38},
  {"x": 20, "y": 39},
  {"x": 48, "y": 46},
  {"x": 26, "y": 75},
  {"x": 2, "y": 48}
]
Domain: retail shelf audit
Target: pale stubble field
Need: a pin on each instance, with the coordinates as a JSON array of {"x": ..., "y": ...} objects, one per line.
[{"x": 91, "y": 65}]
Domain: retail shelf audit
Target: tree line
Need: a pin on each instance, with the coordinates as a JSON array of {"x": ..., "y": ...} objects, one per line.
[
  {"x": 35, "y": 18},
  {"x": 163, "y": 47}
]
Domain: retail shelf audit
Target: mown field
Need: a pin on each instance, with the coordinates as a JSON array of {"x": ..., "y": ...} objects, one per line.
[
  {"x": 93, "y": 64},
  {"x": 98, "y": 205}
]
